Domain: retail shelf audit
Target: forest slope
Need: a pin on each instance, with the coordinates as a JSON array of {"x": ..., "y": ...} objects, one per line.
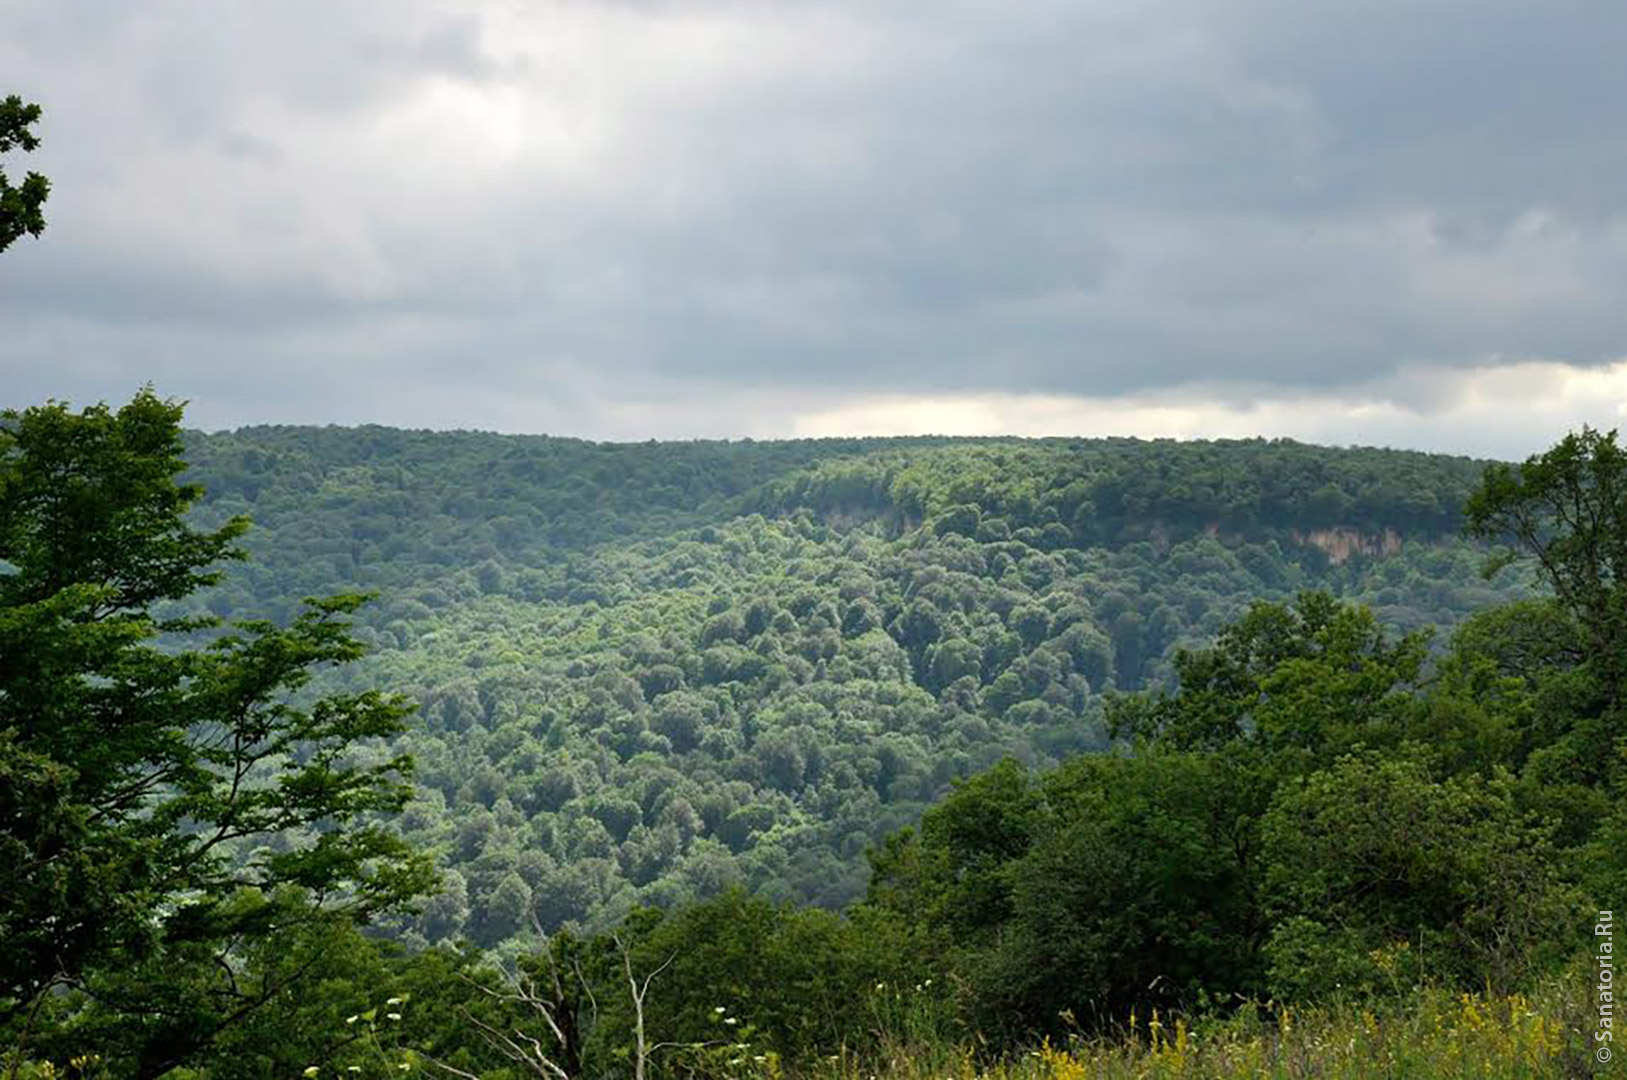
[{"x": 647, "y": 671}]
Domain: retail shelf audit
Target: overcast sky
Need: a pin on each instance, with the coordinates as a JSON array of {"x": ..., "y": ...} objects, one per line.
[{"x": 1393, "y": 223}]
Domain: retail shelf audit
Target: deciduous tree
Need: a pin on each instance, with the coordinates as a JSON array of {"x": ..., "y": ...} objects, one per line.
[
  {"x": 171, "y": 791},
  {"x": 20, "y": 204}
]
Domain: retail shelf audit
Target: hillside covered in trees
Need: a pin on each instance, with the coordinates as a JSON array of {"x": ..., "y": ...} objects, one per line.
[
  {"x": 647, "y": 672},
  {"x": 905, "y": 759}
]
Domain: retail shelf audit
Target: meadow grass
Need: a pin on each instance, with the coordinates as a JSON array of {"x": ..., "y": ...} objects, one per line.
[{"x": 1428, "y": 1034}]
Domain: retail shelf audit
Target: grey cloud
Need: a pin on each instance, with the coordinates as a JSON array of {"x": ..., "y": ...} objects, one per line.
[{"x": 566, "y": 212}]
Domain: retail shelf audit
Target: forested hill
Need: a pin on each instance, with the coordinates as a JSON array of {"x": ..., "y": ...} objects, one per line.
[
  {"x": 380, "y": 505},
  {"x": 649, "y": 670}
]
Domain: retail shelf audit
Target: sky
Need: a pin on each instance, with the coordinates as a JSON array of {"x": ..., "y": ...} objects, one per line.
[{"x": 1394, "y": 222}]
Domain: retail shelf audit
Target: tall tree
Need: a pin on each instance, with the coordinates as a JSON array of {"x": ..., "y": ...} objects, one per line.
[
  {"x": 171, "y": 792},
  {"x": 20, "y": 204},
  {"x": 1567, "y": 510}
]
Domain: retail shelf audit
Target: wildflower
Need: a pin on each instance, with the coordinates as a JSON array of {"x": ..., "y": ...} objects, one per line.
[
  {"x": 352, "y": 1019},
  {"x": 393, "y": 1001},
  {"x": 730, "y": 1020},
  {"x": 392, "y": 1016},
  {"x": 720, "y": 1010}
]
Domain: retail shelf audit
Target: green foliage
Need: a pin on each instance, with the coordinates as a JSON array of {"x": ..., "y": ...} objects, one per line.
[
  {"x": 1566, "y": 510},
  {"x": 1107, "y": 882},
  {"x": 1311, "y": 679},
  {"x": 1317, "y": 808},
  {"x": 789, "y": 974},
  {"x": 175, "y": 793},
  {"x": 1379, "y": 876},
  {"x": 1279, "y": 830},
  {"x": 1120, "y": 727},
  {"x": 635, "y": 690},
  {"x": 20, "y": 204}
]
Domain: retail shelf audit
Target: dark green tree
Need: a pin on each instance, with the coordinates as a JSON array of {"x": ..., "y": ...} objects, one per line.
[
  {"x": 1379, "y": 876},
  {"x": 1312, "y": 677},
  {"x": 1567, "y": 510},
  {"x": 20, "y": 203},
  {"x": 1107, "y": 884},
  {"x": 171, "y": 792}
]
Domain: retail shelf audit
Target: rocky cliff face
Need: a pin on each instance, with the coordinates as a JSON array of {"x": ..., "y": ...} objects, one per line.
[{"x": 1341, "y": 542}]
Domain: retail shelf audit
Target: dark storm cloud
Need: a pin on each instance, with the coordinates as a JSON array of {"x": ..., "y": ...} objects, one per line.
[{"x": 685, "y": 218}]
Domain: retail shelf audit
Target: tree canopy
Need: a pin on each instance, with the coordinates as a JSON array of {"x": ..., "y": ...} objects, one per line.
[
  {"x": 172, "y": 789},
  {"x": 20, "y": 204},
  {"x": 645, "y": 672}
]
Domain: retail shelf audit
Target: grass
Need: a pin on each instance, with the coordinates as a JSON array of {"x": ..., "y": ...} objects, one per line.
[
  {"x": 1426, "y": 1035},
  {"x": 1429, "y": 1035}
]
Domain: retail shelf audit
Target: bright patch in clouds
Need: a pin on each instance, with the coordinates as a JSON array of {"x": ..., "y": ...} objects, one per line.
[{"x": 1513, "y": 409}]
